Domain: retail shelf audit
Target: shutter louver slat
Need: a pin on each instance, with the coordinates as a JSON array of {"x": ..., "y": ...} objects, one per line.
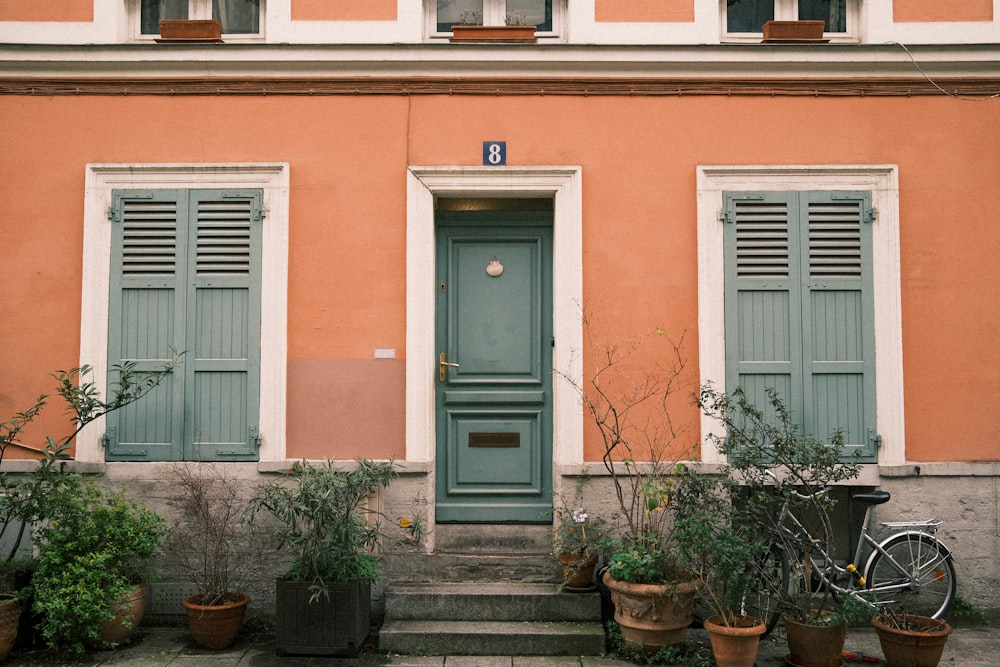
[
  {"x": 223, "y": 238},
  {"x": 835, "y": 239},
  {"x": 761, "y": 240},
  {"x": 149, "y": 241}
]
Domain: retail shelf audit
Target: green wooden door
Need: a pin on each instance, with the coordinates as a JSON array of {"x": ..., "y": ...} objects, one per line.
[{"x": 494, "y": 407}]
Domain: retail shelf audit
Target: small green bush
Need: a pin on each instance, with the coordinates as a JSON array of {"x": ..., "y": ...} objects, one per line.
[{"x": 89, "y": 558}]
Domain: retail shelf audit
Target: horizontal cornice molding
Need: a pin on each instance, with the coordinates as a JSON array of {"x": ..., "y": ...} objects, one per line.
[
  {"x": 258, "y": 62},
  {"x": 810, "y": 87}
]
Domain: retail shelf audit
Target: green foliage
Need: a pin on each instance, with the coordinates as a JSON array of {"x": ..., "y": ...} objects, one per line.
[
  {"x": 574, "y": 530},
  {"x": 719, "y": 548},
  {"x": 689, "y": 655},
  {"x": 771, "y": 462},
  {"x": 93, "y": 549},
  {"x": 26, "y": 500},
  {"x": 965, "y": 610},
  {"x": 322, "y": 520}
]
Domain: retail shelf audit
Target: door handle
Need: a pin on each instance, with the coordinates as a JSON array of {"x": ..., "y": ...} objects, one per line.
[{"x": 443, "y": 364}]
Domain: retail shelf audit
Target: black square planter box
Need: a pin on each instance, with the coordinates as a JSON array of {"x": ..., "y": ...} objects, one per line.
[{"x": 338, "y": 625}]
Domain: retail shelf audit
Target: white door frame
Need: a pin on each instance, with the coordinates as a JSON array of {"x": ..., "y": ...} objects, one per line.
[{"x": 424, "y": 185}]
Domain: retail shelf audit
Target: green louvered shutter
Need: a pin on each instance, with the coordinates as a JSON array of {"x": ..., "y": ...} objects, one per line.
[
  {"x": 838, "y": 316},
  {"x": 146, "y": 318},
  {"x": 223, "y": 326},
  {"x": 799, "y": 309},
  {"x": 185, "y": 275}
]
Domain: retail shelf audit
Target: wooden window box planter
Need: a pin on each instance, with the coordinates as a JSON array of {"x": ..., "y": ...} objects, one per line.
[
  {"x": 190, "y": 30},
  {"x": 792, "y": 32},
  {"x": 514, "y": 34}
]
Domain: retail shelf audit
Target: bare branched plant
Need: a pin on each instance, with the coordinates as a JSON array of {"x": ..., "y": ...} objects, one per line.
[
  {"x": 211, "y": 543},
  {"x": 629, "y": 397}
]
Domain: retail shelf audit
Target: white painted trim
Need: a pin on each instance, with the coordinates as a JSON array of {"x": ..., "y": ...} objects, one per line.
[
  {"x": 883, "y": 182},
  {"x": 564, "y": 184},
  {"x": 101, "y": 179}
]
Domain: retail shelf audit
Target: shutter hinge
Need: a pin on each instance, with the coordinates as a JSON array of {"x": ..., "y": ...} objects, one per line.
[
  {"x": 254, "y": 438},
  {"x": 258, "y": 214},
  {"x": 874, "y": 439},
  {"x": 108, "y": 439},
  {"x": 114, "y": 215},
  {"x": 871, "y": 215}
]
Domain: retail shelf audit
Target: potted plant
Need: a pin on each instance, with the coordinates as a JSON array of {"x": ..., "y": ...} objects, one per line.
[
  {"x": 628, "y": 398},
  {"x": 910, "y": 640},
  {"x": 211, "y": 545},
  {"x": 722, "y": 552},
  {"x": 34, "y": 499},
  {"x": 574, "y": 547},
  {"x": 323, "y": 604},
  {"x": 756, "y": 444},
  {"x": 90, "y": 585}
]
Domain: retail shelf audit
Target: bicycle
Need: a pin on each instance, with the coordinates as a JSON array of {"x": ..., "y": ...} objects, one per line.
[{"x": 909, "y": 568}]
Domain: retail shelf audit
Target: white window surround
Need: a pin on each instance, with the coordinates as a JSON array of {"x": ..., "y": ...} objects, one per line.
[
  {"x": 495, "y": 17},
  {"x": 197, "y": 10},
  {"x": 273, "y": 178},
  {"x": 883, "y": 183},
  {"x": 424, "y": 184},
  {"x": 787, "y": 10}
]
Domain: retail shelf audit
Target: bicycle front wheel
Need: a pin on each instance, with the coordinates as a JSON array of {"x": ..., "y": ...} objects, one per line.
[
  {"x": 915, "y": 573},
  {"x": 770, "y": 587}
]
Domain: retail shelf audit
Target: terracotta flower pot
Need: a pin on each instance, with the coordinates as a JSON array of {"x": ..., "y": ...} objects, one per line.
[
  {"x": 912, "y": 648},
  {"x": 128, "y": 613},
  {"x": 735, "y": 646},
  {"x": 10, "y": 620},
  {"x": 190, "y": 30},
  {"x": 520, "y": 34},
  {"x": 214, "y": 627},
  {"x": 578, "y": 570},
  {"x": 652, "y": 616},
  {"x": 811, "y": 645},
  {"x": 794, "y": 31}
]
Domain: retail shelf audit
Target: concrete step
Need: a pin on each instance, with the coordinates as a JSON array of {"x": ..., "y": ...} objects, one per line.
[
  {"x": 483, "y": 567},
  {"x": 494, "y": 539},
  {"x": 491, "y": 638},
  {"x": 490, "y": 602}
]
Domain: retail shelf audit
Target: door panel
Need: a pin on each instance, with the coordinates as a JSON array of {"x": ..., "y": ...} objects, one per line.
[{"x": 494, "y": 320}]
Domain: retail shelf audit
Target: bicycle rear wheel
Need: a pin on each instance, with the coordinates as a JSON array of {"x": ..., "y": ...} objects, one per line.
[
  {"x": 915, "y": 573},
  {"x": 771, "y": 587}
]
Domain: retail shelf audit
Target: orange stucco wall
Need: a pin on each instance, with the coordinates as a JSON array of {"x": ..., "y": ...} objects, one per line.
[
  {"x": 348, "y": 159},
  {"x": 344, "y": 10},
  {"x": 651, "y": 11},
  {"x": 47, "y": 10},
  {"x": 942, "y": 10}
]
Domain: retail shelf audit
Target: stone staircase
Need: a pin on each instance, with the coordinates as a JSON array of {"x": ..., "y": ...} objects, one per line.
[{"x": 487, "y": 590}]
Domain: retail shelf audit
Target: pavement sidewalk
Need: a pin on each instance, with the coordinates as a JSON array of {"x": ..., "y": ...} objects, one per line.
[{"x": 155, "y": 646}]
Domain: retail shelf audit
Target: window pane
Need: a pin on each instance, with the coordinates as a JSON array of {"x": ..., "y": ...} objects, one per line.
[
  {"x": 456, "y": 12},
  {"x": 154, "y": 10},
  {"x": 748, "y": 15},
  {"x": 530, "y": 12},
  {"x": 237, "y": 16},
  {"x": 834, "y": 12}
]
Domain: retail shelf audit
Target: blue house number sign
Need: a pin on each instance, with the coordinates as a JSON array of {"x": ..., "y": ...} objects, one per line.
[{"x": 494, "y": 153}]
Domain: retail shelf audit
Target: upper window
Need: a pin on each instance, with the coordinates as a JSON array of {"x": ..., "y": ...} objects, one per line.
[
  {"x": 494, "y": 12},
  {"x": 238, "y": 17},
  {"x": 749, "y": 16}
]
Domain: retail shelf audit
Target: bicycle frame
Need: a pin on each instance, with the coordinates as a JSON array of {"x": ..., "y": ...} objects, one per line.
[{"x": 826, "y": 568}]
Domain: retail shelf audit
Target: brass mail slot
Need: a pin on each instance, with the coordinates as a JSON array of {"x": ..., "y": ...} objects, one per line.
[{"x": 494, "y": 440}]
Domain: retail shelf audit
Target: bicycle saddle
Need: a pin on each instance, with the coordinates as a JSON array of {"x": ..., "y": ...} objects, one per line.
[{"x": 872, "y": 497}]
